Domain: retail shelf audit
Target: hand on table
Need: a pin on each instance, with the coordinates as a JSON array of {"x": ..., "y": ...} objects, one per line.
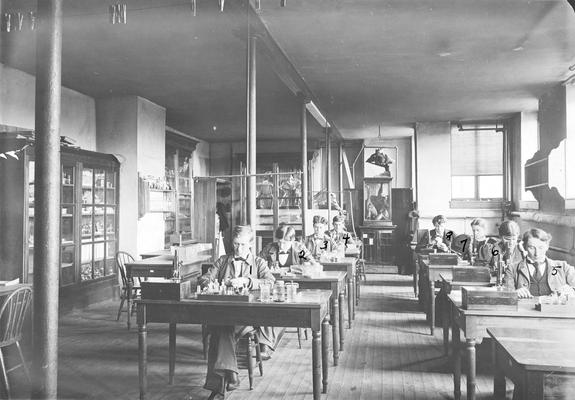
[
  {"x": 524, "y": 293},
  {"x": 567, "y": 290},
  {"x": 442, "y": 246},
  {"x": 239, "y": 282}
]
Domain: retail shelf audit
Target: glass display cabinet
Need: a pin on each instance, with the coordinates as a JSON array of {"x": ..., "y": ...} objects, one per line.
[
  {"x": 178, "y": 223},
  {"x": 88, "y": 218}
]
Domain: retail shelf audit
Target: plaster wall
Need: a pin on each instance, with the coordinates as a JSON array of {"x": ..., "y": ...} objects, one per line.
[
  {"x": 17, "y": 108},
  {"x": 117, "y": 134}
]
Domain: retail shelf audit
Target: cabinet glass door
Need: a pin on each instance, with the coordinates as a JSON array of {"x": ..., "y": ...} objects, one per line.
[
  {"x": 68, "y": 222},
  {"x": 30, "y": 200},
  {"x": 99, "y": 222}
]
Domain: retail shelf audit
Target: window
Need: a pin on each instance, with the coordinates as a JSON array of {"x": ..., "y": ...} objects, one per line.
[
  {"x": 529, "y": 146},
  {"x": 570, "y": 147},
  {"x": 476, "y": 164}
]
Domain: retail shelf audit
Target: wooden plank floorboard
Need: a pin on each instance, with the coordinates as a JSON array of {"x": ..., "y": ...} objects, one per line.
[{"x": 388, "y": 354}]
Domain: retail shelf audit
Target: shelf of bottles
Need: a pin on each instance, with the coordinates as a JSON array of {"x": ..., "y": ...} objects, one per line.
[
  {"x": 178, "y": 178},
  {"x": 98, "y": 223}
]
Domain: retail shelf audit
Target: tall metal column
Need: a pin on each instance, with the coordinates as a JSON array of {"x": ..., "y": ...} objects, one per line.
[
  {"x": 47, "y": 199},
  {"x": 251, "y": 144},
  {"x": 341, "y": 174},
  {"x": 328, "y": 151},
  {"x": 304, "y": 168}
]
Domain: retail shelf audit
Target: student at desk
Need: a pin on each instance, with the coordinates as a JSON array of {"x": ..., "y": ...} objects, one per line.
[
  {"x": 480, "y": 246},
  {"x": 240, "y": 269},
  {"x": 439, "y": 238},
  {"x": 285, "y": 251},
  {"x": 508, "y": 249},
  {"x": 537, "y": 275},
  {"x": 319, "y": 242},
  {"x": 338, "y": 233}
]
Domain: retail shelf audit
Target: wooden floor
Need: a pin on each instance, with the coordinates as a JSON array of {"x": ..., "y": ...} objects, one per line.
[{"x": 389, "y": 354}]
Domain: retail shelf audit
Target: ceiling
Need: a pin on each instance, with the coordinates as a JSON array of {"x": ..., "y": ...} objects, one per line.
[{"x": 364, "y": 62}]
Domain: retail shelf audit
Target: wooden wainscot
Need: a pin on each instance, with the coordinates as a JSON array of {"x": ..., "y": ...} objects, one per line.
[
  {"x": 166, "y": 290},
  {"x": 482, "y": 298},
  {"x": 443, "y": 259}
]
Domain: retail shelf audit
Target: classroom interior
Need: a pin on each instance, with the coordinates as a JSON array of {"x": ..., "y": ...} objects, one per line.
[{"x": 144, "y": 132}]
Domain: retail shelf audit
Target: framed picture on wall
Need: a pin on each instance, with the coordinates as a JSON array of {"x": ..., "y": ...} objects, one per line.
[{"x": 380, "y": 161}]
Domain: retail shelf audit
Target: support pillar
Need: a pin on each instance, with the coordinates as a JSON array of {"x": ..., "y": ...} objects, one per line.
[
  {"x": 47, "y": 200},
  {"x": 304, "y": 167},
  {"x": 251, "y": 142},
  {"x": 328, "y": 151}
]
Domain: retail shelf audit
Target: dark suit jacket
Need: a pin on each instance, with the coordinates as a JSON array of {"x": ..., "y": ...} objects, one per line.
[
  {"x": 426, "y": 241},
  {"x": 255, "y": 268}
]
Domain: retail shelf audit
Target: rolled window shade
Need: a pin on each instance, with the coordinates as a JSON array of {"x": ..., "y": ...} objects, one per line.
[{"x": 476, "y": 153}]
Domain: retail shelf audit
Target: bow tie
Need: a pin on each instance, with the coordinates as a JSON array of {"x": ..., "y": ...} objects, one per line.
[
  {"x": 283, "y": 252},
  {"x": 239, "y": 259}
]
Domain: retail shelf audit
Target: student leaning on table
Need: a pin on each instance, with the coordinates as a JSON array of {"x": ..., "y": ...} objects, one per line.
[
  {"x": 537, "y": 275},
  {"x": 239, "y": 269}
]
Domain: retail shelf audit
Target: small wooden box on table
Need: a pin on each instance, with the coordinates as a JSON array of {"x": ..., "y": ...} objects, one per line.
[
  {"x": 166, "y": 290},
  {"x": 482, "y": 298}
]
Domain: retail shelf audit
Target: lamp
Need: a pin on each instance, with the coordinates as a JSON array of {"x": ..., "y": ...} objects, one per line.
[{"x": 313, "y": 110}]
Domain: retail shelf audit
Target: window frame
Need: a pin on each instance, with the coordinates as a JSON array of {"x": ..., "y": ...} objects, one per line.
[{"x": 477, "y": 202}]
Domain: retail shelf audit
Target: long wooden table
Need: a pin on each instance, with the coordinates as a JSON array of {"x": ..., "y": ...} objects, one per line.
[
  {"x": 474, "y": 324},
  {"x": 159, "y": 267},
  {"x": 327, "y": 280},
  {"x": 309, "y": 310},
  {"x": 346, "y": 264},
  {"x": 429, "y": 274},
  {"x": 540, "y": 362}
]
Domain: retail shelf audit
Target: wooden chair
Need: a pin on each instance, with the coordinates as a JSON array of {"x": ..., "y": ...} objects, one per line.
[
  {"x": 12, "y": 316},
  {"x": 122, "y": 258},
  {"x": 247, "y": 349}
]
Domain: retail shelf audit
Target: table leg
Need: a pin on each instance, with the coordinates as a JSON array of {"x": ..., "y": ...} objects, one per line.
[
  {"x": 142, "y": 351},
  {"x": 316, "y": 364},
  {"x": 446, "y": 312},
  {"x": 335, "y": 328},
  {"x": 533, "y": 385},
  {"x": 456, "y": 354},
  {"x": 499, "y": 388},
  {"x": 325, "y": 352},
  {"x": 357, "y": 289},
  {"x": 129, "y": 302},
  {"x": 415, "y": 281},
  {"x": 471, "y": 376},
  {"x": 432, "y": 305},
  {"x": 353, "y": 296},
  {"x": 341, "y": 319},
  {"x": 349, "y": 303},
  {"x": 172, "y": 352}
]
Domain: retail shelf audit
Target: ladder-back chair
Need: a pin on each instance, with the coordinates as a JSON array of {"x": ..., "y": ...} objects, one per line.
[
  {"x": 122, "y": 258},
  {"x": 12, "y": 317}
]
